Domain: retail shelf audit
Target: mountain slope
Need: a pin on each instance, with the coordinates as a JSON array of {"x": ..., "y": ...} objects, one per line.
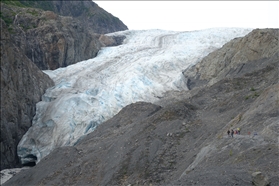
[
  {"x": 235, "y": 58},
  {"x": 48, "y": 40},
  {"x": 88, "y": 93},
  {"x": 57, "y": 39},
  {"x": 89, "y": 13},
  {"x": 22, "y": 85},
  {"x": 183, "y": 141}
]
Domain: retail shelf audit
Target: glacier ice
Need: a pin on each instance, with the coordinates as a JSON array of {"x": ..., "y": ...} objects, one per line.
[{"x": 147, "y": 64}]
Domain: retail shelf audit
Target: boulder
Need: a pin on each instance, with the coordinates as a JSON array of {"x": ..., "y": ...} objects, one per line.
[
  {"x": 258, "y": 179},
  {"x": 107, "y": 40}
]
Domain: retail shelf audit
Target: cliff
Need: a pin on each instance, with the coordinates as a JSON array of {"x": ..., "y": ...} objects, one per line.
[
  {"x": 182, "y": 139},
  {"x": 89, "y": 13},
  {"x": 35, "y": 39},
  {"x": 22, "y": 85},
  {"x": 61, "y": 37}
]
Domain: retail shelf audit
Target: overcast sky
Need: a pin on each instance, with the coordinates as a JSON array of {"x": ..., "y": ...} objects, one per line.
[{"x": 193, "y": 15}]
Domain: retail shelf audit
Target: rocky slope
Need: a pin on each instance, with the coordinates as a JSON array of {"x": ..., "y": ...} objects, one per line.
[
  {"x": 34, "y": 39},
  {"x": 89, "y": 13},
  {"x": 22, "y": 85},
  {"x": 52, "y": 40},
  {"x": 182, "y": 139},
  {"x": 235, "y": 58},
  {"x": 86, "y": 94}
]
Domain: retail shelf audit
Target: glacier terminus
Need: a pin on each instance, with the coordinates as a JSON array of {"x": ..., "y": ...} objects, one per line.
[{"x": 147, "y": 64}]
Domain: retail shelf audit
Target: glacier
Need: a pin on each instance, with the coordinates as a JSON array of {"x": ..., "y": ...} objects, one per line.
[{"x": 147, "y": 64}]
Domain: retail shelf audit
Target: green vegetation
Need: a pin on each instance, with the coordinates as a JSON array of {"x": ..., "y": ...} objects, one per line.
[
  {"x": 187, "y": 129},
  {"x": 9, "y": 13},
  {"x": 13, "y": 3},
  {"x": 44, "y": 5},
  {"x": 231, "y": 153},
  {"x": 239, "y": 117},
  {"x": 25, "y": 28},
  {"x": 256, "y": 94},
  {"x": 7, "y": 20},
  {"x": 11, "y": 30},
  {"x": 32, "y": 12}
]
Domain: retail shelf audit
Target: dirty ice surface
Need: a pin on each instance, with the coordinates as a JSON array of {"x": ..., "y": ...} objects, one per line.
[{"x": 147, "y": 64}]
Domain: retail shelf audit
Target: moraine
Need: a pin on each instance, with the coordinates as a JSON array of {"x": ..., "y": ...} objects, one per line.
[{"x": 147, "y": 64}]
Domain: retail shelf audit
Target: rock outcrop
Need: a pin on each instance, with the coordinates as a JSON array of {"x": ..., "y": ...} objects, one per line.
[
  {"x": 89, "y": 13},
  {"x": 22, "y": 85},
  {"x": 111, "y": 40},
  {"x": 52, "y": 40},
  {"x": 258, "y": 179},
  {"x": 183, "y": 141},
  {"x": 49, "y": 34},
  {"x": 235, "y": 58}
]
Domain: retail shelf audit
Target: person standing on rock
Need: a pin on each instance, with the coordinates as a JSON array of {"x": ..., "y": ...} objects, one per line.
[
  {"x": 229, "y": 132},
  {"x": 232, "y": 133},
  {"x": 238, "y": 130}
]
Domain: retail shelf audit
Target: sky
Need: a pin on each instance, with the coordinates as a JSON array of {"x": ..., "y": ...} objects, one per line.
[{"x": 194, "y": 15}]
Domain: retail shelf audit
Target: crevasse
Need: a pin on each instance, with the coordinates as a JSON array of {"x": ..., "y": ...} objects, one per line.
[{"x": 146, "y": 65}]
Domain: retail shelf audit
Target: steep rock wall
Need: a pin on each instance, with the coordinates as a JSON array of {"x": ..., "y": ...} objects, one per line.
[
  {"x": 22, "y": 85},
  {"x": 49, "y": 40},
  {"x": 89, "y": 13}
]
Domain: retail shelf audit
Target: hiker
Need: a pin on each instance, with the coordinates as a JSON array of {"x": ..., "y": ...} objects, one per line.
[
  {"x": 238, "y": 130},
  {"x": 232, "y": 133},
  {"x": 228, "y": 132}
]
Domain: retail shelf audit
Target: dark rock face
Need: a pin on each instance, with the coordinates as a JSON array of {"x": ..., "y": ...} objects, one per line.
[
  {"x": 63, "y": 36},
  {"x": 22, "y": 85},
  {"x": 49, "y": 40},
  {"x": 89, "y": 13},
  {"x": 183, "y": 141}
]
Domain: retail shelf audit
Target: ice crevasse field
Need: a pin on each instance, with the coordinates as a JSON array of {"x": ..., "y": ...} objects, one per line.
[{"x": 147, "y": 64}]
